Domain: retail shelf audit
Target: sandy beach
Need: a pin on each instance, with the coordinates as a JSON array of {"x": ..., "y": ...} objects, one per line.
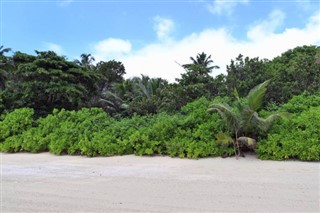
[{"x": 49, "y": 183}]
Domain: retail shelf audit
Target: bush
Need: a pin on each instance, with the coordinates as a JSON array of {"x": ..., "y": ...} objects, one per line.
[
  {"x": 16, "y": 122},
  {"x": 12, "y": 128},
  {"x": 297, "y": 137},
  {"x": 177, "y": 146},
  {"x": 92, "y": 132},
  {"x": 103, "y": 145},
  {"x": 301, "y": 103},
  {"x": 74, "y": 126},
  {"x": 12, "y": 144},
  {"x": 184, "y": 144},
  {"x": 196, "y": 113}
]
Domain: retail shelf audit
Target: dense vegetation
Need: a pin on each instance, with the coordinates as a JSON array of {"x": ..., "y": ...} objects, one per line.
[{"x": 48, "y": 103}]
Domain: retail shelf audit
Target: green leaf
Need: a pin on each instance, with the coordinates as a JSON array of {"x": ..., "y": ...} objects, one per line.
[
  {"x": 256, "y": 95},
  {"x": 223, "y": 139}
]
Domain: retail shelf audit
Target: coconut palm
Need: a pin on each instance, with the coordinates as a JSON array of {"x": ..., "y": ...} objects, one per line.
[
  {"x": 4, "y": 50},
  {"x": 86, "y": 61},
  {"x": 203, "y": 60},
  {"x": 112, "y": 103},
  {"x": 242, "y": 120},
  {"x": 149, "y": 87}
]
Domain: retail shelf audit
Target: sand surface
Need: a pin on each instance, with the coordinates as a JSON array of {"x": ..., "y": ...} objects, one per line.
[{"x": 48, "y": 183}]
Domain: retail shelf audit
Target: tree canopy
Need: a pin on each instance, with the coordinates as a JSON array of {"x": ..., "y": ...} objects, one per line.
[{"x": 46, "y": 80}]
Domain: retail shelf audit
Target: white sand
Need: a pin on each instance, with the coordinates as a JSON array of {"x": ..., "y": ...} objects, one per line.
[{"x": 48, "y": 183}]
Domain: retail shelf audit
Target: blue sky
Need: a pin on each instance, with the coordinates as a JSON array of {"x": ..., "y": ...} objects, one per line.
[{"x": 153, "y": 37}]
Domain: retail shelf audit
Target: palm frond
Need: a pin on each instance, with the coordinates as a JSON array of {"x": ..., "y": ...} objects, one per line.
[
  {"x": 247, "y": 114},
  {"x": 236, "y": 94},
  {"x": 227, "y": 114},
  {"x": 265, "y": 124},
  {"x": 256, "y": 95}
]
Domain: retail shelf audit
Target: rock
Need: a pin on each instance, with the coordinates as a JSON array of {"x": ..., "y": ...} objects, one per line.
[{"x": 248, "y": 142}]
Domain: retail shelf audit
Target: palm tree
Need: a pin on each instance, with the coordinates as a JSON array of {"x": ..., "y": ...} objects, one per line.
[
  {"x": 198, "y": 71},
  {"x": 143, "y": 93},
  {"x": 112, "y": 103},
  {"x": 86, "y": 61},
  {"x": 149, "y": 87},
  {"x": 4, "y": 50},
  {"x": 242, "y": 120},
  {"x": 203, "y": 60}
]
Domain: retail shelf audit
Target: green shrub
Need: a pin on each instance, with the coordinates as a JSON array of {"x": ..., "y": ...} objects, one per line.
[
  {"x": 301, "y": 103},
  {"x": 123, "y": 128},
  {"x": 196, "y": 113},
  {"x": 177, "y": 146},
  {"x": 76, "y": 126},
  {"x": 16, "y": 122},
  {"x": 185, "y": 143},
  {"x": 162, "y": 126},
  {"x": 12, "y": 144},
  {"x": 103, "y": 144},
  {"x": 92, "y": 132},
  {"x": 143, "y": 145},
  {"x": 34, "y": 140},
  {"x": 297, "y": 137}
]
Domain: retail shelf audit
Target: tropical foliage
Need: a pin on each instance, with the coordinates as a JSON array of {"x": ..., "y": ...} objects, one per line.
[
  {"x": 93, "y": 132},
  {"x": 243, "y": 120},
  {"x": 297, "y": 138},
  {"x": 87, "y": 107}
]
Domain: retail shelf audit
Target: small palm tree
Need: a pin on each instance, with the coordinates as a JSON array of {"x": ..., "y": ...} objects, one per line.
[{"x": 243, "y": 119}]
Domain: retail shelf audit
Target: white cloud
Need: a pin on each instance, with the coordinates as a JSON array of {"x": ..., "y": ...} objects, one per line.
[
  {"x": 64, "y": 3},
  {"x": 111, "y": 48},
  {"x": 163, "y": 27},
  {"x": 266, "y": 27},
  {"x": 225, "y": 7},
  {"x": 53, "y": 47},
  {"x": 159, "y": 59}
]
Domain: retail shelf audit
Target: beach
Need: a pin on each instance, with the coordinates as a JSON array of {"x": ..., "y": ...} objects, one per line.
[{"x": 49, "y": 183}]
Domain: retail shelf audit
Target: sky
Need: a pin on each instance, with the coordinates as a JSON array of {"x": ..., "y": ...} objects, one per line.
[{"x": 154, "y": 37}]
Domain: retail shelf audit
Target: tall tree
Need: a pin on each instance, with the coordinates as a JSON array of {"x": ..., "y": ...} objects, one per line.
[
  {"x": 294, "y": 72},
  {"x": 204, "y": 60},
  {"x": 48, "y": 81},
  {"x": 197, "y": 80},
  {"x": 111, "y": 72},
  {"x": 244, "y": 73}
]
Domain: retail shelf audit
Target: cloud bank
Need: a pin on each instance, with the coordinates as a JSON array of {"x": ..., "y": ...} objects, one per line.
[
  {"x": 161, "y": 58},
  {"x": 111, "y": 48}
]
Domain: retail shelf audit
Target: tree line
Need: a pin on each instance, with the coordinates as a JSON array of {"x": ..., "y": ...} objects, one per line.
[{"x": 46, "y": 81}]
